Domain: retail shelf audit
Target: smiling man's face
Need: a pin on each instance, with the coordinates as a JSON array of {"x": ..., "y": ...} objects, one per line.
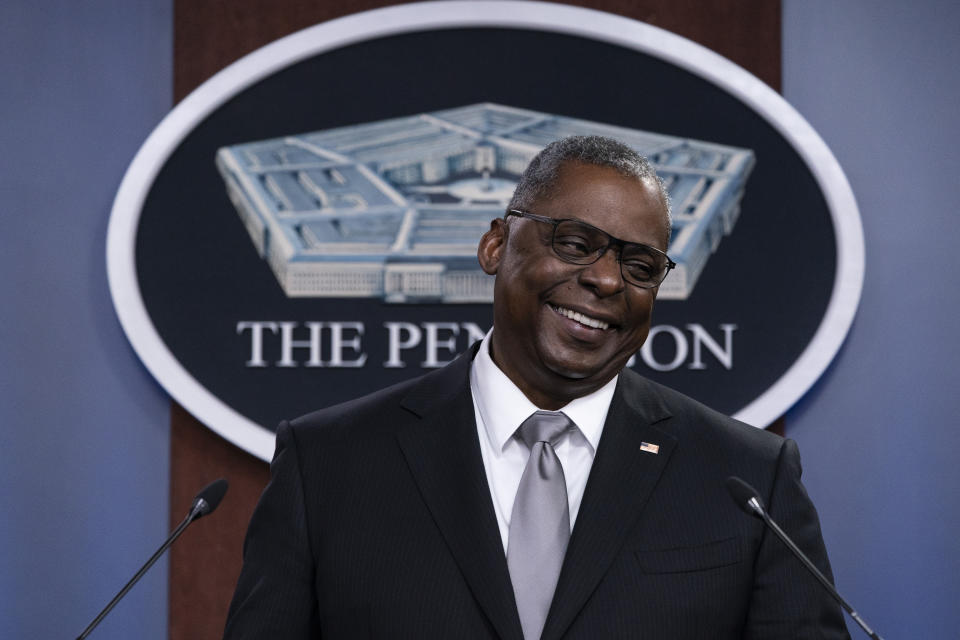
[{"x": 563, "y": 330}]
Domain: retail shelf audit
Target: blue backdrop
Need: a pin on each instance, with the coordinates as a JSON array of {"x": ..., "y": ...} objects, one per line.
[
  {"x": 84, "y": 429},
  {"x": 878, "y": 433}
]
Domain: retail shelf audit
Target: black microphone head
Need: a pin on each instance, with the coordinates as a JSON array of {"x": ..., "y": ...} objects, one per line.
[
  {"x": 209, "y": 497},
  {"x": 742, "y": 494}
]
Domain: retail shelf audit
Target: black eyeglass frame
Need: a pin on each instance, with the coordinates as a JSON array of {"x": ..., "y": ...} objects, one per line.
[{"x": 590, "y": 259}]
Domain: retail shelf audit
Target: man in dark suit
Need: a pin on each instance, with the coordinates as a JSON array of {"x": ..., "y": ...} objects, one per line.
[{"x": 534, "y": 487}]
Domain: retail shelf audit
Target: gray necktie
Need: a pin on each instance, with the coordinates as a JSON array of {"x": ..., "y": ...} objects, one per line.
[{"x": 540, "y": 523}]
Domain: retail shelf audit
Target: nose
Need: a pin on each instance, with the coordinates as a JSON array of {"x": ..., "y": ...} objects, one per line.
[{"x": 604, "y": 275}]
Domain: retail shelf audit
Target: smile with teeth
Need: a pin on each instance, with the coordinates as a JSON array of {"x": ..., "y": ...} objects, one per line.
[{"x": 582, "y": 319}]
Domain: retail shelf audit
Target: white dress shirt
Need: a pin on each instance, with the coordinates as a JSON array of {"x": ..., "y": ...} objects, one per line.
[{"x": 501, "y": 407}]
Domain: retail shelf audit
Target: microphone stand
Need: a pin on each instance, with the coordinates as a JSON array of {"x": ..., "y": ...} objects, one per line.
[
  {"x": 195, "y": 512},
  {"x": 813, "y": 569},
  {"x": 747, "y": 498}
]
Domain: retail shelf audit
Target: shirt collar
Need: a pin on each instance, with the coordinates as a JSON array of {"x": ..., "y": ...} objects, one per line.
[{"x": 503, "y": 407}]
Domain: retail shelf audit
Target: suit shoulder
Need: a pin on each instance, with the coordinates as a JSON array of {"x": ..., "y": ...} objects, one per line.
[
  {"x": 686, "y": 416},
  {"x": 363, "y": 414},
  {"x": 385, "y": 410}
]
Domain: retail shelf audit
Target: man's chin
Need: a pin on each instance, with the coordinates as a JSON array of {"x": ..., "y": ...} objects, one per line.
[
  {"x": 587, "y": 374},
  {"x": 575, "y": 372}
]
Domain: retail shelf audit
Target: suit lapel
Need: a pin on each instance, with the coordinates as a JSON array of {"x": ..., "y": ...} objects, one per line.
[
  {"x": 443, "y": 454},
  {"x": 621, "y": 481}
]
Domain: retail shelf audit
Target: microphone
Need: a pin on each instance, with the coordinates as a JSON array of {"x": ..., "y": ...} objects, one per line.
[
  {"x": 749, "y": 500},
  {"x": 209, "y": 498},
  {"x": 203, "y": 504}
]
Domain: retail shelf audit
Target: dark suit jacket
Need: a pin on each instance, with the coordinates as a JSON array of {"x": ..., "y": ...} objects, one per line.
[{"x": 378, "y": 523}]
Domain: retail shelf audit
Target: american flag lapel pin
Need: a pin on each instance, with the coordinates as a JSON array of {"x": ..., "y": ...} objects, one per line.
[{"x": 649, "y": 448}]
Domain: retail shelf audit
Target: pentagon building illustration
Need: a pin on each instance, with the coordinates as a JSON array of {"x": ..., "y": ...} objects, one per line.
[{"x": 394, "y": 209}]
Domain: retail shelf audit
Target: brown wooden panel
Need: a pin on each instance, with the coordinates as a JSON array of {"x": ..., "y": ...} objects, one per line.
[
  {"x": 205, "y": 562},
  {"x": 778, "y": 426},
  {"x": 210, "y": 34},
  {"x": 746, "y": 31}
]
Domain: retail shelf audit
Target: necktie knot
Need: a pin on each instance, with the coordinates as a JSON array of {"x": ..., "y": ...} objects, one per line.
[{"x": 544, "y": 426}]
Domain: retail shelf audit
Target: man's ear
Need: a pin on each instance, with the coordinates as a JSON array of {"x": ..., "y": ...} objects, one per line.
[{"x": 492, "y": 245}]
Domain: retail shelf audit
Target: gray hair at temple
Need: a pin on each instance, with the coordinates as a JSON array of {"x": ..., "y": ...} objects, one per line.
[{"x": 543, "y": 171}]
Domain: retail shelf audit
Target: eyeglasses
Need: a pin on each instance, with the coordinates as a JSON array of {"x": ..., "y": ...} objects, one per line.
[{"x": 577, "y": 242}]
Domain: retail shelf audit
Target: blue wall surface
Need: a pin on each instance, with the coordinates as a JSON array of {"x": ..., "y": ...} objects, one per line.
[
  {"x": 84, "y": 429},
  {"x": 84, "y": 458},
  {"x": 879, "y": 436}
]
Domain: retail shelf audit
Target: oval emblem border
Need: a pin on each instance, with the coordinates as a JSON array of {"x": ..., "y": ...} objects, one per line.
[{"x": 444, "y": 14}]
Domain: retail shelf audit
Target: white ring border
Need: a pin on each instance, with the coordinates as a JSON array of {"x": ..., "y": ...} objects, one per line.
[{"x": 442, "y": 14}]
